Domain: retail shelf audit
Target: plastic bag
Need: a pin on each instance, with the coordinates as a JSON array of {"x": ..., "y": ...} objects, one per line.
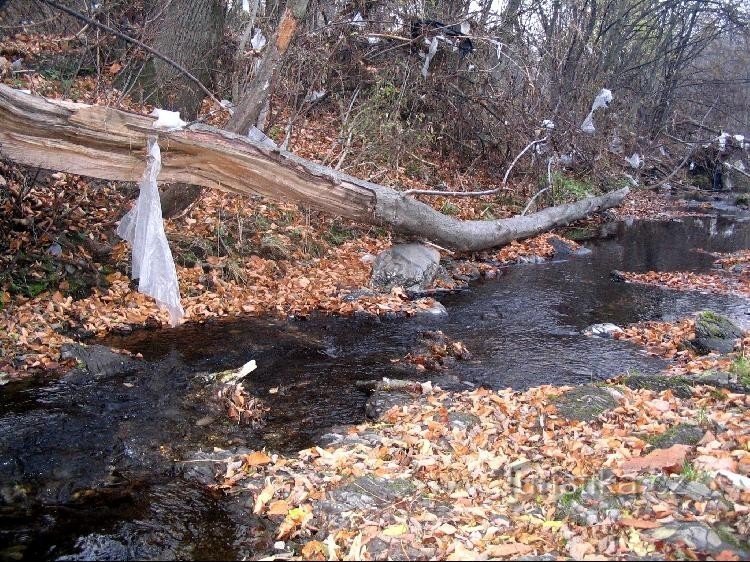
[
  {"x": 168, "y": 120},
  {"x": 431, "y": 50},
  {"x": 603, "y": 99},
  {"x": 143, "y": 227}
]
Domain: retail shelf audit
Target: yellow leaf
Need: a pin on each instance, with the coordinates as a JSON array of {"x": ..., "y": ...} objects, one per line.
[
  {"x": 395, "y": 530},
  {"x": 296, "y": 518}
]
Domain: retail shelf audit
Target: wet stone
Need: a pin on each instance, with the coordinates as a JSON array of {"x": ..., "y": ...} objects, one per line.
[
  {"x": 367, "y": 492},
  {"x": 99, "y": 360},
  {"x": 694, "y": 535},
  {"x": 462, "y": 420},
  {"x": 380, "y": 402},
  {"x": 411, "y": 266},
  {"x": 715, "y": 332},
  {"x": 584, "y": 403},
  {"x": 602, "y": 330},
  {"x": 358, "y": 294},
  {"x": 694, "y": 490},
  {"x": 437, "y": 310}
]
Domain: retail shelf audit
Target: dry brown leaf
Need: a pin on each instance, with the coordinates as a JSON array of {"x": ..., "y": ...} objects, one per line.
[
  {"x": 263, "y": 498},
  {"x": 509, "y": 549},
  {"x": 315, "y": 550},
  {"x": 257, "y": 458},
  {"x": 638, "y": 523},
  {"x": 279, "y": 507},
  {"x": 658, "y": 459}
]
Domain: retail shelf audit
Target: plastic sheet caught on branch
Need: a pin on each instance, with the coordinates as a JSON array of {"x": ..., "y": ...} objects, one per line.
[
  {"x": 433, "y": 46},
  {"x": 143, "y": 227},
  {"x": 635, "y": 160},
  {"x": 603, "y": 99}
]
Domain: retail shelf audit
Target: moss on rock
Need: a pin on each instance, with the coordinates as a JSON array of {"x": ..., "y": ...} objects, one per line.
[{"x": 584, "y": 403}]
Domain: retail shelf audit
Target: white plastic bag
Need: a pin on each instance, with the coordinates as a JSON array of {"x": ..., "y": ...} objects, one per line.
[
  {"x": 432, "y": 49},
  {"x": 143, "y": 227},
  {"x": 168, "y": 120},
  {"x": 603, "y": 99}
]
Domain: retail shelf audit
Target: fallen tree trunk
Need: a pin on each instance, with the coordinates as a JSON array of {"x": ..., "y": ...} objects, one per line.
[{"x": 110, "y": 144}]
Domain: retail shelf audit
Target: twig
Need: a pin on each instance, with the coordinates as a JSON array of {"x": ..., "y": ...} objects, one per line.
[
  {"x": 477, "y": 193},
  {"x": 130, "y": 39},
  {"x": 538, "y": 193},
  {"x": 684, "y": 160},
  {"x": 736, "y": 169}
]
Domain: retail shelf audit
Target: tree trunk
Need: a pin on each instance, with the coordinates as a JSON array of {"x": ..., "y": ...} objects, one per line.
[
  {"x": 188, "y": 32},
  {"x": 106, "y": 143},
  {"x": 251, "y": 104}
]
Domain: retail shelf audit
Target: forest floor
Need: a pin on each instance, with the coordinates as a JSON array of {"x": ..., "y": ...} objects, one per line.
[{"x": 619, "y": 470}]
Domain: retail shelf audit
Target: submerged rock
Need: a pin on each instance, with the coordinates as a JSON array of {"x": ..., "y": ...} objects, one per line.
[
  {"x": 714, "y": 332},
  {"x": 411, "y": 266},
  {"x": 98, "y": 360}
]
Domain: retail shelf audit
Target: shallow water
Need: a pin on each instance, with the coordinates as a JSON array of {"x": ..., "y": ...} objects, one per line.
[{"x": 92, "y": 467}]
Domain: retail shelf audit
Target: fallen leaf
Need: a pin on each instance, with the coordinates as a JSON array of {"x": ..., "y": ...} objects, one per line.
[
  {"x": 395, "y": 530},
  {"x": 509, "y": 549},
  {"x": 638, "y": 523},
  {"x": 257, "y": 458},
  {"x": 660, "y": 458},
  {"x": 279, "y": 507},
  {"x": 263, "y": 498}
]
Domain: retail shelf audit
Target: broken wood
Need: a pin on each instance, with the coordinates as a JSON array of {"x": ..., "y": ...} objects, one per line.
[{"x": 110, "y": 144}]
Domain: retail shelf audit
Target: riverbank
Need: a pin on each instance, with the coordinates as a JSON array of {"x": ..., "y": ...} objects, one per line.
[
  {"x": 653, "y": 466},
  {"x": 481, "y": 475}
]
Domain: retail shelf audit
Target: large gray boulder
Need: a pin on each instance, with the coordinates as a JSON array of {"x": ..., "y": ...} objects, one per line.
[
  {"x": 411, "y": 266},
  {"x": 714, "y": 332}
]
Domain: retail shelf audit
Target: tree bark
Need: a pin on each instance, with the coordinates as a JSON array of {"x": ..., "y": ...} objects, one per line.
[
  {"x": 188, "y": 32},
  {"x": 251, "y": 104},
  {"x": 106, "y": 143}
]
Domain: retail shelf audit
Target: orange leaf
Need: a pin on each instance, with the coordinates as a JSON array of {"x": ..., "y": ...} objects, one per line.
[
  {"x": 638, "y": 523},
  {"x": 257, "y": 458},
  {"x": 510, "y": 549},
  {"x": 626, "y": 488},
  {"x": 314, "y": 550},
  {"x": 280, "y": 507},
  {"x": 661, "y": 458}
]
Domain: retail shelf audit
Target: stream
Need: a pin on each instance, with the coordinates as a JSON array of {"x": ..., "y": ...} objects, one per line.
[{"x": 104, "y": 467}]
